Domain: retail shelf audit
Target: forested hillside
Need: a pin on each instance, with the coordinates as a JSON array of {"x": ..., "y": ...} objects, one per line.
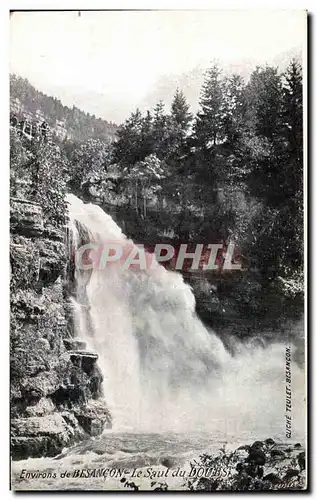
[
  {"x": 233, "y": 172},
  {"x": 79, "y": 125}
]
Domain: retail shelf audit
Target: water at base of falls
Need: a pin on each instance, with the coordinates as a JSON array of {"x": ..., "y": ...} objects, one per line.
[{"x": 163, "y": 369}]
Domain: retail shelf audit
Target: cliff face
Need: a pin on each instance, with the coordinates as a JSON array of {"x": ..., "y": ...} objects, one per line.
[{"x": 56, "y": 385}]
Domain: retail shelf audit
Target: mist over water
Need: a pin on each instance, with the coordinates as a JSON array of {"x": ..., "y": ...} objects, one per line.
[{"x": 163, "y": 369}]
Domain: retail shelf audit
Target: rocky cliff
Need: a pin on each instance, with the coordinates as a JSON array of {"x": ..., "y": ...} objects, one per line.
[{"x": 56, "y": 384}]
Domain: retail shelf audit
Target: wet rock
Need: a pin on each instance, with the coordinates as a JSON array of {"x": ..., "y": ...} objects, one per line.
[
  {"x": 273, "y": 478},
  {"x": 258, "y": 485},
  {"x": 95, "y": 382},
  {"x": 70, "y": 419},
  {"x": 78, "y": 386},
  {"x": 254, "y": 470},
  {"x": 275, "y": 453},
  {"x": 290, "y": 474},
  {"x": 41, "y": 436},
  {"x": 256, "y": 456},
  {"x": 169, "y": 462},
  {"x": 36, "y": 426},
  {"x": 301, "y": 459},
  {"x": 52, "y": 260},
  {"x": 74, "y": 345},
  {"x": 94, "y": 417},
  {"x": 244, "y": 447},
  {"x": 269, "y": 442},
  {"x": 84, "y": 359},
  {"x": 93, "y": 426},
  {"x": 28, "y": 447},
  {"x": 257, "y": 445}
]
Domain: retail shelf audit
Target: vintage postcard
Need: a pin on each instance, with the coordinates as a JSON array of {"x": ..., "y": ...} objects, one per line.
[{"x": 157, "y": 242}]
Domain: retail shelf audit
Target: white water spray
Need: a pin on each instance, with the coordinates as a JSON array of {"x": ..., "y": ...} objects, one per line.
[{"x": 163, "y": 370}]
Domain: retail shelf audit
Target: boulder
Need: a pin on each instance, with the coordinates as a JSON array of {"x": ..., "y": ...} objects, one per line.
[
  {"x": 269, "y": 442},
  {"x": 94, "y": 417},
  {"x": 301, "y": 459},
  {"x": 26, "y": 218},
  {"x": 42, "y": 436},
  {"x": 272, "y": 478},
  {"x": 276, "y": 453},
  {"x": 93, "y": 426},
  {"x": 29, "y": 447},
  {"x": 42, "y": 407}
]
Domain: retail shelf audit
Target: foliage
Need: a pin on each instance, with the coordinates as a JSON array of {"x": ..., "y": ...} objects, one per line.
[
  {"x": 79, "y": 125},
  {"x": 39, "y": 173},
  {"x": 232, "y": 172},
  {"x": 20, "y": 156},
  {"x": 261, "y": 467},
  {"x": 87, "y": 163}
]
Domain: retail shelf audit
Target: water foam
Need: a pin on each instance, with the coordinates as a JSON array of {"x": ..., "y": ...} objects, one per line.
[{"x": 163, "y": 369}]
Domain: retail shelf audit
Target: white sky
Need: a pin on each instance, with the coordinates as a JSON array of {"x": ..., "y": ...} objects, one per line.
[{"x": 124, "y": 53}]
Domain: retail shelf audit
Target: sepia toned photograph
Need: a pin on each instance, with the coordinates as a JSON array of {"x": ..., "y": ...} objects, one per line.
[{"x": 158, "y": 185}]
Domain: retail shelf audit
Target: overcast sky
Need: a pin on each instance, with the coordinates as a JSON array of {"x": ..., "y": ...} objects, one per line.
[{"x": 123, "y": 54}]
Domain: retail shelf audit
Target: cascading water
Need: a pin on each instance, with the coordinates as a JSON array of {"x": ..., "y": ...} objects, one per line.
[{"x": 163, "y": 370}]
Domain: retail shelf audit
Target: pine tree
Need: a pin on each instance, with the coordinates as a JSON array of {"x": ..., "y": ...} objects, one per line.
[
  {"x": 264, "y": 143},
  {"x": 264, "y": 102},
  {"x": 147, "y": 134},
  {"x": 210, "y": 121},
  {"x": 292, "y": 115},
  {"x": 180, "y": 114},
  {"x": 179, "y": 129},
  {"x": 235, "y": 108},
  {"x": 210, "y": 135},
  {"x": 292, "y": 109},
  {"x": 274, "y": 153},
  {"x": 160, "y": 130},
  {"x": 127, "y": 149}
]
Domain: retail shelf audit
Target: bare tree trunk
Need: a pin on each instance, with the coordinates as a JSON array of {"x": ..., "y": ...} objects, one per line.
[
  {"x": 144, "y": 204},
  {"x": 136, "y": 196}
]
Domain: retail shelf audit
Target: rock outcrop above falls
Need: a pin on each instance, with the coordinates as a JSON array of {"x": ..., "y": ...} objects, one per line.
[{"x": 56, "y": 384}]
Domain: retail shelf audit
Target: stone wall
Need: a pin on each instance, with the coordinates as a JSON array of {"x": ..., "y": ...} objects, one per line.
[{"x": 56, "y": 385}]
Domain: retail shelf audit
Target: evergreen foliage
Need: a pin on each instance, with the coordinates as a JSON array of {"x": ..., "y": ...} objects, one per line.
[{"x": 233, "y": 172}]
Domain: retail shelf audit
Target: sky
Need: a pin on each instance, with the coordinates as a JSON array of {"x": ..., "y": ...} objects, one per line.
[{"x": 122, "y": 55}]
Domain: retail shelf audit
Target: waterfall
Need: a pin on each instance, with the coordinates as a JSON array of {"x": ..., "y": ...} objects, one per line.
[{"x": 163, "y": 369}]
